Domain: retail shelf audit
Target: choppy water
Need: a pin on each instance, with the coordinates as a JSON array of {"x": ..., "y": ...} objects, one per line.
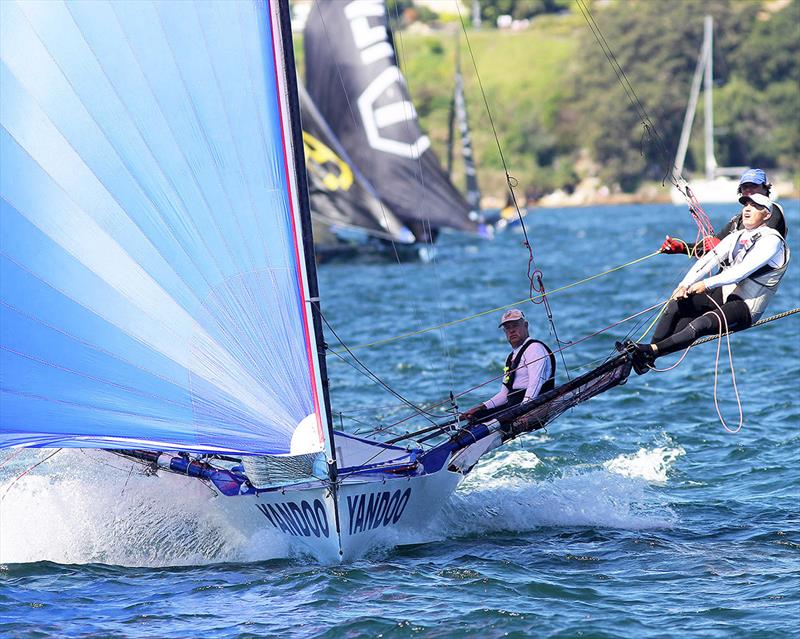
[{"x": 634, "y": 515}]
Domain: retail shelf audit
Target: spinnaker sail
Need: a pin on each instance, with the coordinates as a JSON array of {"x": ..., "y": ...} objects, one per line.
[
  {"x": 157, "y": 291},
  {"x": 353, "y": 77}
]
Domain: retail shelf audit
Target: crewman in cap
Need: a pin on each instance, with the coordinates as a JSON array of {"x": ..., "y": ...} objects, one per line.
[
  {"x": 530, "y": 369},
  {"x": 752, "y": 182},
  {"x": 728, "y": 289}
]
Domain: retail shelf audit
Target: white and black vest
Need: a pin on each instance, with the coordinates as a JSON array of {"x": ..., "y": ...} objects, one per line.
[{"x": 757, "y": 288}]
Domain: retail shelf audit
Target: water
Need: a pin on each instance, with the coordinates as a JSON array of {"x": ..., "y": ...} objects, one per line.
[{"x": 635, "y": 514}]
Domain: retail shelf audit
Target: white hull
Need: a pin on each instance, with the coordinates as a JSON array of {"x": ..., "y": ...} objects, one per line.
[
  {"x": 720, "y": 190},
  {"x": 372, "y": 511}
]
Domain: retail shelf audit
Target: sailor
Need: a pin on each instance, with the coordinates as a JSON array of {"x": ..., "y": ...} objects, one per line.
[
  {"x": 752, "y": 181},
  {"x": 530, "y": 369},
  {"x": 752, "y": 262}
]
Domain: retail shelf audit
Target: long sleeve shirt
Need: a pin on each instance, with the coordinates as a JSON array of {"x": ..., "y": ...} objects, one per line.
[
  {"x": 768, "y": 250},
  {"x": 533, "y": 371}
]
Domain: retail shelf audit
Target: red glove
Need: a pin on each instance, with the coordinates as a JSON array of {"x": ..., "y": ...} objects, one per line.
[
  {"x": 672, "y": 246},
  {"x": 709, "y": 243}
]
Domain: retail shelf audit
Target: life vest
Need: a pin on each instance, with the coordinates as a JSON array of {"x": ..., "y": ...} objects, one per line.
[
  {"x": 512, "y": 364},
  {"x": 757, "y": 289}
]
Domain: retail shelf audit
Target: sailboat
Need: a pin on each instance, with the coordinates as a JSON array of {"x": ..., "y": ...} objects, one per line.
[
  {"x": 353, "y": 77},
  {"x": 159, "y": 292},
  {"x": 458, "y": 114},
  {"x": 718, "y": 184},
  {"x": 347, "y": 217}
]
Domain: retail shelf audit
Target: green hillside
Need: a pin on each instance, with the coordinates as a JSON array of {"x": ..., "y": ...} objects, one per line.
[{"x": 523, "y": 78}]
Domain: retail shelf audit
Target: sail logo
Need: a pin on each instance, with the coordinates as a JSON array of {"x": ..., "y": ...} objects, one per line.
[
  {"x": 332, "y": 171},
  {"x": 388, "y": 86},
  {"x": 301, "y": 520},
  {"x": 368, "y": 512}
]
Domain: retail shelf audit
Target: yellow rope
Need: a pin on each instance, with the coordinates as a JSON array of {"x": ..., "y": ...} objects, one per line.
[
  {"x": 653, "y": 323},
  {"x": 499, "y": 308}
]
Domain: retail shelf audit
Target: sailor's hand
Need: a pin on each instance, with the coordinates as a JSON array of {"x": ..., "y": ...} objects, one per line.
[
  {"x": 679, "y": 293},
  {"x": 709, "y": 243},
  {"x": 469, "y": 415},
  {"x": 697, "y": 288},
  {"x": 672, "y": 245}
]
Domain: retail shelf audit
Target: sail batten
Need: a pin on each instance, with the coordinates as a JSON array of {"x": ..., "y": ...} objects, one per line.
[{"x": 154, "y": 292}]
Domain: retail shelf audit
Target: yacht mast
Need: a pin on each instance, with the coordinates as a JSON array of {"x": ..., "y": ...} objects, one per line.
[{"x": 708, "y": 83}]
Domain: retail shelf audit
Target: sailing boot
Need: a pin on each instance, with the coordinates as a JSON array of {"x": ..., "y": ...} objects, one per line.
[{"x": 642, "y": 356}]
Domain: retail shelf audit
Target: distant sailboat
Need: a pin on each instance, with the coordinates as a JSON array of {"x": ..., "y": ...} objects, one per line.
[
  {"x": 458, "y": 116},
  {"x": 347, "y": 217},
  {"x": 717, "y": 185},
  {"x": 353, "y": 77},
  {"x": 159, "y": 295}
]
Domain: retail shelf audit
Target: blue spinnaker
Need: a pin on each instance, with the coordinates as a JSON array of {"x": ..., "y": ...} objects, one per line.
[{"x": 150, "y": 294}]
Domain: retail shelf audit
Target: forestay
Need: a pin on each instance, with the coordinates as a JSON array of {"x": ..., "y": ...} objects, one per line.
[{"x": 153, "y": 279}]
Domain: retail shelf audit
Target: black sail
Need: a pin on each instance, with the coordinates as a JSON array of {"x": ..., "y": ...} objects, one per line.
[
  {"x": 353, "y": 78},
  {"x": 341, "y": 198}
]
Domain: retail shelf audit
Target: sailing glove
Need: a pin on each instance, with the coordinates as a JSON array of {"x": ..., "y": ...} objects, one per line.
[
  {"x": 709, "y": 243},
  {"x": 672, "y": 246}
]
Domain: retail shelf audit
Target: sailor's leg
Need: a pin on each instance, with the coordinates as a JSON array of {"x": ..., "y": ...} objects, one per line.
[
  {"x": 734, "y": 315},
  {"x": 678, "y": 314}
]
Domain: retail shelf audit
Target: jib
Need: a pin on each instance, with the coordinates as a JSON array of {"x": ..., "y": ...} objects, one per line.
[
  {"x": 380, "y": 509},
  {"x": 301, "y": 521}
]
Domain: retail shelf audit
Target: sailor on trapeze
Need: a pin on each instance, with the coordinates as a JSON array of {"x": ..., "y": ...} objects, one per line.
[
  {"x": 752, "y": 262},
  {"x": 530, "y": 369}
]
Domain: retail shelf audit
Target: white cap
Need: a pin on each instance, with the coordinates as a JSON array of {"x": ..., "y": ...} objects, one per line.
[{"x": 758, "y": 198}]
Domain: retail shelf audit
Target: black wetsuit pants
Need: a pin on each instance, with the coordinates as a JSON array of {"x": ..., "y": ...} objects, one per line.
[{"x": 684, "y": 320}]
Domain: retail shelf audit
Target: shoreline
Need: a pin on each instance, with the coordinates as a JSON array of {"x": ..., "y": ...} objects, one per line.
[{"x": 592, "y": 195}]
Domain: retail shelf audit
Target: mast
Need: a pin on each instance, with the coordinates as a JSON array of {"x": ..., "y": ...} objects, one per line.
[
  {"x": 451, "y": 115},
  {"x": 711, "y": 162},
  {"x": 297, "y": 173},
  {"x": 694, "y": 94}
]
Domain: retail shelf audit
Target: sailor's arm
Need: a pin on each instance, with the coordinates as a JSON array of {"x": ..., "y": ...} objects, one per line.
[
  {"x": 766, "y": 250},
  {"x": 708, "y": 262},
  {"x": 498, "y": 400}
]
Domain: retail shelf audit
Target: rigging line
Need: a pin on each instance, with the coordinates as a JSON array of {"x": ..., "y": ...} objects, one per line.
[
  {"x": 766, "y": 320},
  {"x": 701, "y": 218},
  {"x": 368, "y": 372},
  {"x": 18, "y": 477},
  {"x": 549, "y": 312},
  {"x": 510, "y": 181},
  {"x": 425, "y": 222},
  {"x": 733, "y": 370},
  {"x": 369, "y": 375},
  {"x": 724, "y": 331},
  {"x": 399, "y": 56},
  {"x": 568, "y": 345},
  {"x": 500, "y": 308},
  {"x": 624, "y": 81}
]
